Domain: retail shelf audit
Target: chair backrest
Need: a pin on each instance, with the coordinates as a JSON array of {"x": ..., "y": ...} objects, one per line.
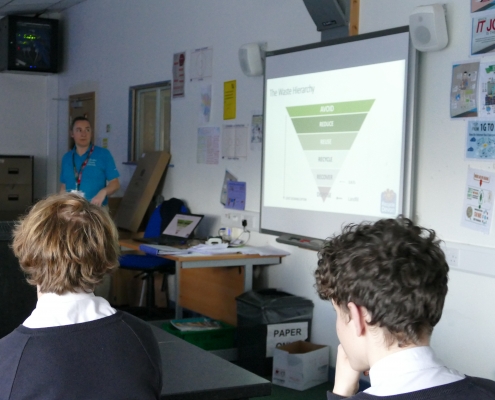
[
  {"x": 169, "y": 208},
  {"x": 162, "y": 215},
  {"x": 153, "y": 228}
]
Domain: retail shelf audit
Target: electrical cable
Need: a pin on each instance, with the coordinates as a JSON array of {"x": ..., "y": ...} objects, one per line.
[{"x": 238, "y": 238}]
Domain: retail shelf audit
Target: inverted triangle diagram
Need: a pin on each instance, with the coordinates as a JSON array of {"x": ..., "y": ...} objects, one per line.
[{"x": 327, "y": 132}]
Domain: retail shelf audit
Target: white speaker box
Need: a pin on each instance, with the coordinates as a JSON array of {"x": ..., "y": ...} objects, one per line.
[
  {"x": 251, "y": 59},
  {"x": 428, "y": 28}
]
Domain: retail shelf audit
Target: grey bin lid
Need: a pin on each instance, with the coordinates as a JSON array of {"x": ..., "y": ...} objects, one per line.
[
  {"x": 273, "y": 298},
  {"x": 270, "y": 306}
]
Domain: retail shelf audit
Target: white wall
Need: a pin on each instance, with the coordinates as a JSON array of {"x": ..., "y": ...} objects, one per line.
[
  {"x": 464, "y": 336},
  {"x": 27, "y": 110},
  {"x": 119, "y": 43},
  {"x": 132, "y": 42}
]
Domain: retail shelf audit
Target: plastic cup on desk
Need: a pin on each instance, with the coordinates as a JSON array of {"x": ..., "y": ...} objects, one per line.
[{"x": 225, "y": 234}]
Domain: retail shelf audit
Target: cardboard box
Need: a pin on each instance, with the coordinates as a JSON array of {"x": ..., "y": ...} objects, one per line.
[
  {"x": 142, "y": 187},
  {"x": 113, "y": 206},
  {"x": 300, "y": 365}
]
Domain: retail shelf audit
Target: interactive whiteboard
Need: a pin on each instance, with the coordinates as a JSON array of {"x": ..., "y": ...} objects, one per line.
[{"x": 338, "y": 143}]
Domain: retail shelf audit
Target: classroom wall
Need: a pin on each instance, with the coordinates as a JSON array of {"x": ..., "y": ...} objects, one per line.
[
  {"x": 464, "y": 336},
  {"x": 114, "y": 44},
  {"x": 28, "y": 109},
  {"x": 132, "y": 42}
]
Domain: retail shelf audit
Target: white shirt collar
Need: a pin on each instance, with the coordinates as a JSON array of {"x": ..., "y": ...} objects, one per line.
[
  {"x": 408, "y": 371},
  {"x": 66, "y": 309}
]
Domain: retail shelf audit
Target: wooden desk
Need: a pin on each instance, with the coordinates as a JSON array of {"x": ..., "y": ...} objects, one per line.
[
  {"x": 192, "y": 373},
  {"x": 209, "y": 284}
]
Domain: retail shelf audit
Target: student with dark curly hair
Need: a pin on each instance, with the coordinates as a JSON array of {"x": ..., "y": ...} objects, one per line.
[
  {"x": 74, "y": 345},
  {"x": 387, "y": 282}
]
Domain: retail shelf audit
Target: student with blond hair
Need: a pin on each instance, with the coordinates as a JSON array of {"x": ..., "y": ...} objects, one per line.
[
  {"x": 387, "y": 282},
  {"x": 74, "y": 345}
]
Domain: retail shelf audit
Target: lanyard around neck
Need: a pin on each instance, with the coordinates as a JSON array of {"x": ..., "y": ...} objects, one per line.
[{"x": 78, "y": 174}]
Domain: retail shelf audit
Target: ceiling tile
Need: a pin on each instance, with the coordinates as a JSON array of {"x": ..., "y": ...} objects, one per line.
[
  {"x": 64, "y": 4},
  {"x": 33, "y": 3},
  {"x": 34, "y": 6}
]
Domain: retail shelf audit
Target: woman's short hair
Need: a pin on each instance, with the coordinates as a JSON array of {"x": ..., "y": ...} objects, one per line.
[
  {"x": 77, "y": 119},
  {"x": 393, "y": 268},
  {"x": 65, "y": 244}
]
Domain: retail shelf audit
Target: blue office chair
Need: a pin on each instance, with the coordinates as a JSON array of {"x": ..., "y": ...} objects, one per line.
[{"x": 149, "y": 264}]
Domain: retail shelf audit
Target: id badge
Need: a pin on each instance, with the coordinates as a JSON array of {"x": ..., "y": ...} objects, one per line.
[{"x": 78, "y": 192}]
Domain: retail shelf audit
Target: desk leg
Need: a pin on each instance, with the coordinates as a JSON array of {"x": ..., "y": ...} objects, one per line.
[
  {"x": 248, "y": 277},
  {"x": 178, "y": 307}
]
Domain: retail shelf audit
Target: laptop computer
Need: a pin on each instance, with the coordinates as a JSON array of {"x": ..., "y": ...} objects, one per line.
[{"x": 177, "y": 232}]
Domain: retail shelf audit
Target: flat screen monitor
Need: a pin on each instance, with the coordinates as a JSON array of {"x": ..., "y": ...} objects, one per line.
[
  {"x": 29, "y": 44},
  {"x": 338, "y": 142}
]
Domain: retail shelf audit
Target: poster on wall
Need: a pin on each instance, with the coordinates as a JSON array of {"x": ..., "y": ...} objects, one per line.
[
  {"x": 478, "y": 200},
  {"x": 227, "y": 178},
  {"x": 208, "y": 151},
  {"x": 236, "y": 195},
  {"x": 482, "y": 5},
  {"x": 201, "y": 63},
  {"x": 234, "y": 141},
  {"x": 229, "y": 99},
  {"x": 463, "y": 91},
  {"x": 256, "y": 132},
  {"x": 483, "y": 33},
  {"x": 487, "y": 89},
  {"x": 179, "y": 74},
  {"x": 480, "y": 140},
  {"x": 205, "y": 104}
]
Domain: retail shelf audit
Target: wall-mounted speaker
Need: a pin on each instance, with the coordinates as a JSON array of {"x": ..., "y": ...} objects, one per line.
[
  {"x": 428, "y": 27},
  {"x": 251, "y": 59}
]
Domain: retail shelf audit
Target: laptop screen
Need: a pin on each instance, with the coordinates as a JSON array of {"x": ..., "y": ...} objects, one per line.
[{"x": 182, "y": 225}]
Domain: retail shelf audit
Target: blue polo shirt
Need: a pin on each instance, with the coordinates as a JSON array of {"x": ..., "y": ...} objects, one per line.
[{"x": 98, "y": 171}]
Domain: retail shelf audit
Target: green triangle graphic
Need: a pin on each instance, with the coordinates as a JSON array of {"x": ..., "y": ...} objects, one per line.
[{"x": 327, "y": 132}]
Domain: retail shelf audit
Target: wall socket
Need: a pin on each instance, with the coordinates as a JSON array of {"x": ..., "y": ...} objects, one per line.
[
  {"x": 233, "y": 219},
  {"x": 452, "y": 256}
]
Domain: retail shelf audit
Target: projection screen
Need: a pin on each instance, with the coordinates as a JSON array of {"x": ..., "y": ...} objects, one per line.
[{"x": 338, "y": 134}]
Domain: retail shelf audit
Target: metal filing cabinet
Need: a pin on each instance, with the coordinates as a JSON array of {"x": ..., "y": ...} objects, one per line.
[{"x": 16, "y": 185}]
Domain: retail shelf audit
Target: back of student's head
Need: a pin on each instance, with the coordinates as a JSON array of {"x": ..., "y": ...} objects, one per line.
[
  {"x": 394, "y": 269},
  {"x": 65, "y": 244}
]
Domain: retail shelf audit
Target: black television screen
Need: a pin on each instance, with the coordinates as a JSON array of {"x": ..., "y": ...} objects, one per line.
[{"x": 29, "y": 44}]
